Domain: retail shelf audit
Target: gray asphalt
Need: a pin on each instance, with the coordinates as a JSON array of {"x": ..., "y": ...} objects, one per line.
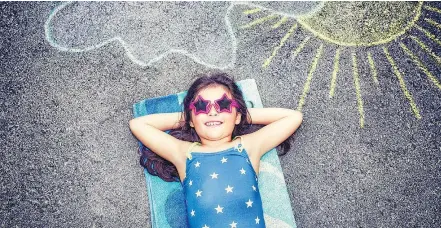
[{"x": 70, "y": 160}]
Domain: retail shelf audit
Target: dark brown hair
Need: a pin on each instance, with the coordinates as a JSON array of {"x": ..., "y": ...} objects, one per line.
[{"x": 164, "y": 169}]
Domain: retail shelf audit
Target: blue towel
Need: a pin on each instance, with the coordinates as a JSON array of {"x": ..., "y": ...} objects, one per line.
[{"x": 166, "y": 198}]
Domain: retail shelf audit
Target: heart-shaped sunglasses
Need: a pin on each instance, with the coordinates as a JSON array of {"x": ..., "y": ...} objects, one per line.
[{"x": 223, "y": 104}]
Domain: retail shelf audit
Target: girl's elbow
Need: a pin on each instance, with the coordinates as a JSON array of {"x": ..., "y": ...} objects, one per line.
[
  {"x": 133, "y": 123},
  {"x": 298, "y": 114},
  {"x": 298, "y": 118}
]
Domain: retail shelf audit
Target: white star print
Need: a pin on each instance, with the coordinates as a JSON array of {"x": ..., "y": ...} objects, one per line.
[
  {"x": 219, "y": 209},
  {"x": 224, "y": 160},
  {"x": 254, "y": 188},
  {"x": 249, "y": 203},
  {"x": 229, "y": 189},
  {"x": 191, "y": 183},
  {"x": 233, "y": 224},
  {"x": 242, "y": 171},
  {"x": 198, "y": 193},
  {"x": 248, "y": 161},
  {"x": 205, "y": 226},
  {"x": 192, "y": 213},
  {"x": 197, "y": 164},
  {"x": 257, "y": 220},
  {"x": 214, "y": 175}
]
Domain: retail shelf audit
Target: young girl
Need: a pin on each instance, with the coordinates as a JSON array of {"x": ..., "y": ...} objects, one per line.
[{"x": 213, "y": 151}]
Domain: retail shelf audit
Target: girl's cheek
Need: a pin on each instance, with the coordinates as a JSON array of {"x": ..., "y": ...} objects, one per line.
[{"x": 197, "y": 120}]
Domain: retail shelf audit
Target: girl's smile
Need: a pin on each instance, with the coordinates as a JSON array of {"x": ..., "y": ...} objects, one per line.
[{"x": 213, "y": 123}]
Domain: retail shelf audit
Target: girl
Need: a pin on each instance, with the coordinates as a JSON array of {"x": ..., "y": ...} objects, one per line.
[{"x": 213, "y": 152}]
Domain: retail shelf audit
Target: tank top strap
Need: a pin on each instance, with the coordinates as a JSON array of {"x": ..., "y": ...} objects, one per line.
[
  {"x": 239, "y": 146},
  {"x": 190, "y": 148}
]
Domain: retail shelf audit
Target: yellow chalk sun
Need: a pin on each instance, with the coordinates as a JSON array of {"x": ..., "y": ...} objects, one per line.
[{"x": 362, "y": 24}]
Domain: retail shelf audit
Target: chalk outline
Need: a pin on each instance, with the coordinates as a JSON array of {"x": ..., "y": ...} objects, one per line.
[
  {"x": 48, "y": 35},
  {"x": 126, "y": 46}
]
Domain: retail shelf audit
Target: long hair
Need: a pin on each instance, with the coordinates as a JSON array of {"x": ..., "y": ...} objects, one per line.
[{"x": 158, "y": 166}]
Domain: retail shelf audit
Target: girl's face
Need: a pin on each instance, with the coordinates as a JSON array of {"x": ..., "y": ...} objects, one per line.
[{"x": 214, "y": 125}]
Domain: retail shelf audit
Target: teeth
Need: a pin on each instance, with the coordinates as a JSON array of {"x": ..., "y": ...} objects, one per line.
[{"x": 213, "y": 123}]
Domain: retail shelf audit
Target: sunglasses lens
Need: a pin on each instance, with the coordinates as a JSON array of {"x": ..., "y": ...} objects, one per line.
[
  {"x": 201, "y": 106},
  {"x": 224, "y": 105}
]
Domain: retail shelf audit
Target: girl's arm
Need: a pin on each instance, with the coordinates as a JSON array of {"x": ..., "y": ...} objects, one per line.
[
  {"x": 266, "y": 116},
  {"x": 161, "y": 121},
  {"x": 150, "y": 129},
  {"x": 280, "y": 124}
]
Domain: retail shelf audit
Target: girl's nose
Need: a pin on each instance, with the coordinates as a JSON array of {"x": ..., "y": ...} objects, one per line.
[{"x": 213, "y": 111}]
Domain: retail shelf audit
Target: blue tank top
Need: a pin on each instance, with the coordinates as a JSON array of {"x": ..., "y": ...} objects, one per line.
[{"x": 221, "y": 190}]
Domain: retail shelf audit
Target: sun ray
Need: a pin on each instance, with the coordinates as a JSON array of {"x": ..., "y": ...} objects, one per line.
[
  {"x": 276, "y": 49},
  {"x": 334, "y": 72},
  {"x": 426, "y": 49},
  {"x": 309, "y": 79},
  {"x": 413, "y": 106},
  {"x": 433, "y": 9},
  {"x": 301, "y": 46},
  {"x": 428, "y": 34},
  {"x": 357, "y": 89},
  {"x": 434, "y": 23},
  {"x": 373, "y": 69},
  {"x": 421, "y": 65},
  {"x": 278, "y": 24},
  {"x": 251, "y": 11},
  {"x": 259, "y": 21}
]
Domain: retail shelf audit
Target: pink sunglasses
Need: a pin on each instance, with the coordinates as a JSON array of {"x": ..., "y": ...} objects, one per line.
[{"x": 223, "y": 104}]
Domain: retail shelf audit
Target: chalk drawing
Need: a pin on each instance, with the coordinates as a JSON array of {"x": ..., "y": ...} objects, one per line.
[
  {"x": 301, "y": 46},
  {"x": 402, "y": 83},
  {"x": 344, "y": 33},
  {"x": 373, "y": 68},
  {"x": 428, "y": 34},
  {"x": 214, "y": 49},
  {"x": 427, "y": 49},
  {"x": 420, "y": 64},
  {"x": 259, "y": 21},
  {"x": 251, "y": 11},
  {"x": 361, "y": 24},
  {"x": 291, "y": 9},
  {"x": 434, "y": 23},
  {"x": 276, "y": 49},
  {"x": 309, "y": 79},
  {"x": 334, "y": 72},
  {"x": 357, "y": 89},
  {"x": 282, "y": 21},
  {"x": 433, "y": 9}
]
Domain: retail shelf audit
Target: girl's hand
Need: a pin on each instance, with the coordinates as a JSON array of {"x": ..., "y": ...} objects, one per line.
[{"x": 150, "y": 129}]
